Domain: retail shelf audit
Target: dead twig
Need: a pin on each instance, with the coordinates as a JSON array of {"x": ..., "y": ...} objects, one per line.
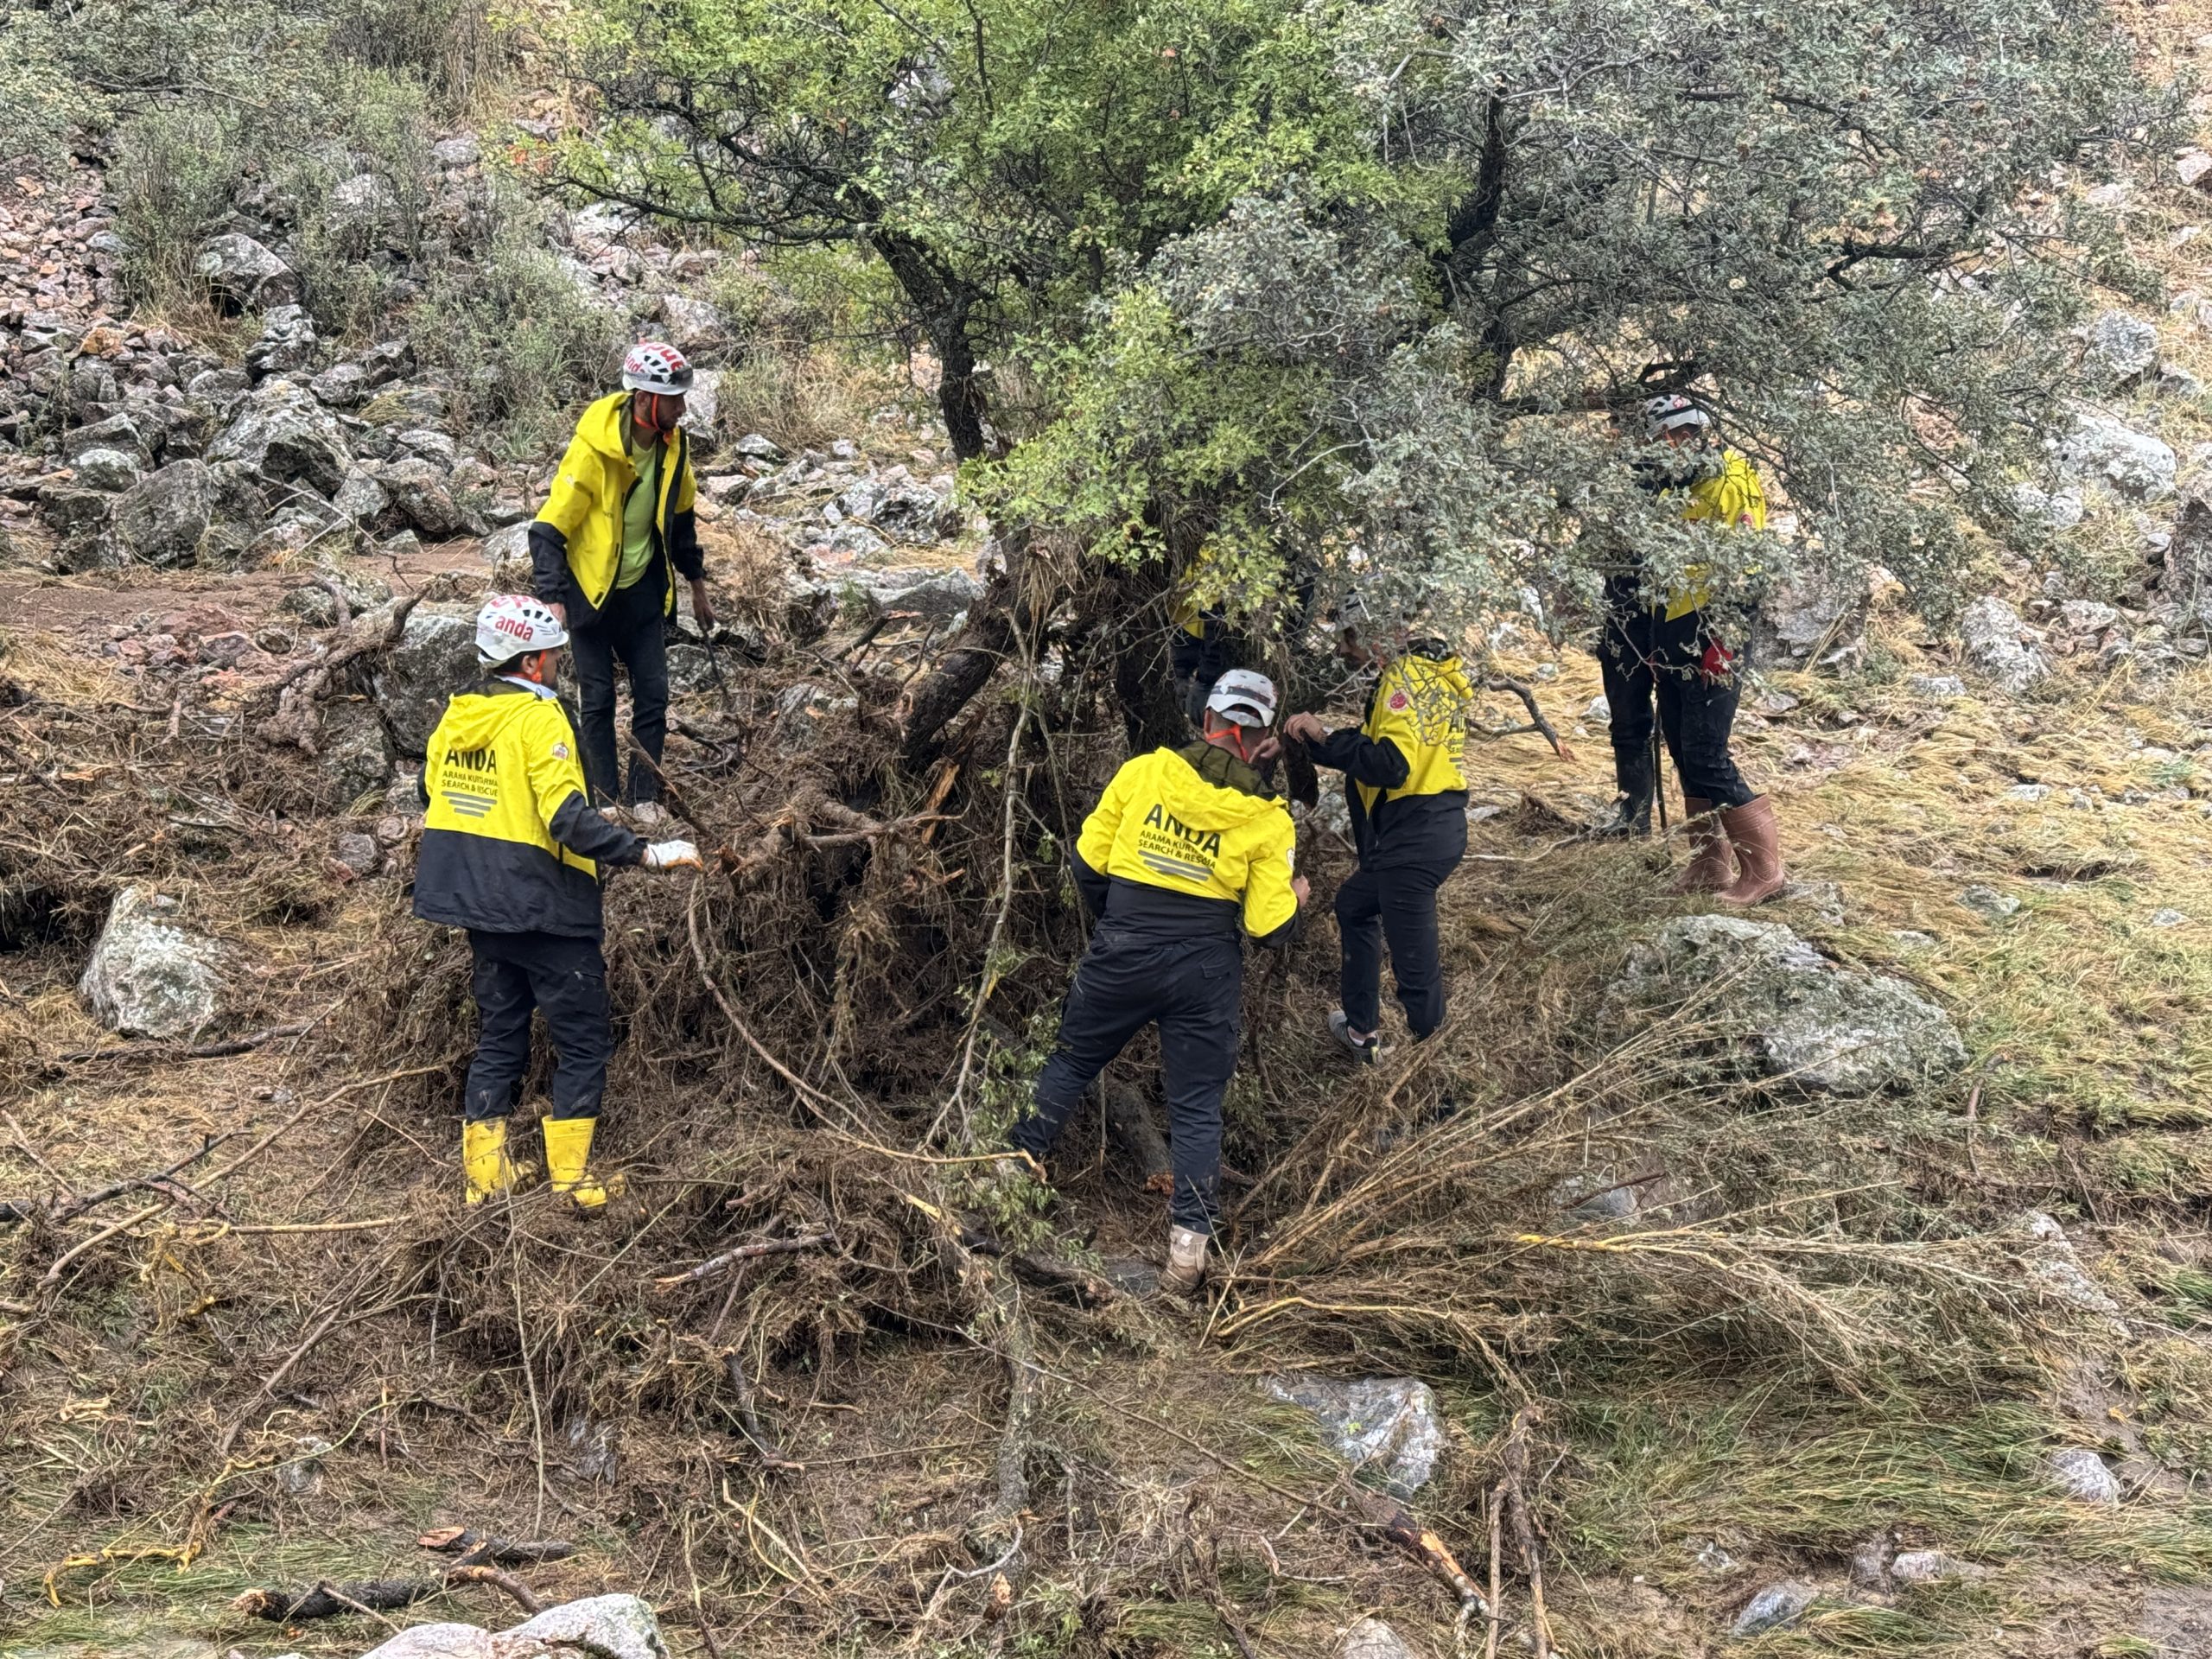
[
  {"x": 1515, "y": 1457},
  {"x": 714, "y": 1264},
  {"x": 18, "y": 1210},
  {"x": 1398, "y": 1525},
  {"x": 771, "y": 1455},
  {"x": 466, "y": 1573},
  {"x": 480, "y": 1549},
  {"x": 245, "y": 1044},
  {"x": 327, "y": 1600},
  {"x": 1536, "y": 721}
]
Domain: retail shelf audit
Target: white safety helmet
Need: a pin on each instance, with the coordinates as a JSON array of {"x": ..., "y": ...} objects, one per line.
[
  {"x": 656, "y": 366},
  {"x": 1672, "y": 414},
  {"x": 515, "y": 625},
  {"x": 1244, "y": 697}
]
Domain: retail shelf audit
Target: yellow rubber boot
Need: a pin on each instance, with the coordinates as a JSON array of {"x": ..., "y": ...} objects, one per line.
[
  {"x": 567, "y": 1157},
  {"x": 484, "y": 1161}
]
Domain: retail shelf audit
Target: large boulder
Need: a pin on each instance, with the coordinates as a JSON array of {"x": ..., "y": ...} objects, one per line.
[
  {"x": 354, "y": 753},
  {"x": 603, "y": 1627},
  {"x": 186, "y": 514},
  {"x": 442, "y": 1641},
  {"x": 1788, "y": 1014},
  {"x": 243, "y": 276},
  {"x": 433, "y": 657},
  {"x": 147, "y": 976},
  {"x": 1996, "y": 643},
  {"x": 284, "y": 436},
  {"x": 1386, "y": 1428},
  {"x": 926, "y": 591},
  {"x": 117, "y": 432},
  {"x": 421, "y": 498},
  {"x": 702, "y": 408},
  {"x": 2103, "y": 447},
  {"x": 1370, "y": 1638},
  {"x": 110, "y": 470},
  {"x": 401, "y": 406}
]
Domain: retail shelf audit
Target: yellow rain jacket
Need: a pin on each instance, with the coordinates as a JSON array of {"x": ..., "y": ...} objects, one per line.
[
  {"x": 1402, "y": 782},
  {"x": 1189, "y": 841},
  {"x": 575, "y": 543},
  {"x": 510, "y": 843},
  {"x": 1731, "y": 498}
]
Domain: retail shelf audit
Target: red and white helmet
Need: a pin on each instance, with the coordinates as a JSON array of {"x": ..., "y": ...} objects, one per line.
[
  {"x": 1244, "y": 697},
  {"x": 656, "y": 366},
  {"x": 514, "y": 625},
  {"x": 1671, "y": 414}
]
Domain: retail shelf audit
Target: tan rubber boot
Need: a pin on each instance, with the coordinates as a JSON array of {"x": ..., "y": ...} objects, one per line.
[
  {"x": 1758, "y": 840},
  {"x": 1711, "y": 865},
  {"x": 1186, "y": 1263}
]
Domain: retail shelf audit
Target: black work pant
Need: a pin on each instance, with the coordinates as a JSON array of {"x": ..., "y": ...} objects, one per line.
[
  {"x": 1128, "y": 980},
  {"x": 1394, "y": 906},
  {"x": 1645, "y": 659},
  {"x": 632, "y": 628},
  {"x": 567, "y": 978}
]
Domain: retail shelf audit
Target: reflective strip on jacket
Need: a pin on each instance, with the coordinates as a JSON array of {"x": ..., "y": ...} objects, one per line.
[
  {"x": 1161, "y": 824},
  {"x": 1732, "y": 499},
  {"x": 581, "y": 524},
  {"x": 510, "y": 843}
]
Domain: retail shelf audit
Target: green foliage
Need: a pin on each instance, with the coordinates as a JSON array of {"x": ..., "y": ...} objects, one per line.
[{"x": 1286, "y": 291}]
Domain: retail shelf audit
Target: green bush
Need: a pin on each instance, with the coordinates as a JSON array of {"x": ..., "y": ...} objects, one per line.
[{"x": 175, "y": 171}]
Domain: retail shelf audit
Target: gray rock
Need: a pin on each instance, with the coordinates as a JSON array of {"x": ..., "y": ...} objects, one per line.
[
  {"x": 1773, "y": 1607},
  {"x": 507, "y": 551},
  {"x": 357, "y": 853},
  {"x": 2060, "y": 509},
  {"x": 107, "y": 469},
  {"x": 602, "y": 1627},
  {"x": 403, "y": 406},
  {"x": 695, "y": 324},
  {"x": 432, "y": 445},
  {"x": 186, "y": 514},
  {"x": 288, "y": 342},
  {"x": 354, "y": 755},
  {"x": 2167, "y": 916},
  {"x": 757, "y": 447},
  {"x": 420, "y": 495},
  {"x": 1370, "y": 1638},
  {"x": 77, "y": 516},
  {"x": 244, "y": 275},
  {"x": 1989, "y": 902},
  {"x": 2105, "y": 449},
  {"x": 459, "y": 150},
  {"x": 1600, "y": 711},
  {"x": 388, "y": 360},
  {"x": 343, "y": 385},
  {"x": 930, "y": 593},
  {"x": 282, "y": 435},
  {"x": 434, "y": 658},
  {"x": 2029, "y": 792},
  {"x": 437, "y": 1642},
  {"x": 2088, "y": 616},
  {"x": 117, "y": 431},
  {"x": 2185, "y": 586},
  {"x": 2193, "y": 166},
  {"x": 1385, "y": 1427},
  {"x": 2084, "y": 1475},
  {"x": 1936, "y": 688},
  {"x": 363, "y": 206},
  {"x": 1812, "y": 618},
  {"x": 317, "y": 607},
  {"x": 1933, "y": 1567},
  {"x": 1790, "y": 1014},
  {"x": 218, "y": 385},
  {"x": 1991, "y": 631},
  {"x": 361, "y": 498},
  {"x": 2054, "y": 1268},
  {"x": 1910, "y": 939},
  {"x": 2121, "y": 349},
  {"x": 804, "y": 710},
  {"x": 149, "y": 976}
]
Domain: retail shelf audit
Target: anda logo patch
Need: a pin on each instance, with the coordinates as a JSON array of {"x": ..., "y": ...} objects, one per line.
[
  {"x": 1207, "y": 841},
  {"x": 1168, "y": 847}
]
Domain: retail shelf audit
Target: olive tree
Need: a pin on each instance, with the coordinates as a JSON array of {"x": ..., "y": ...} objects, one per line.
[{"x": 1293, "y": 288}]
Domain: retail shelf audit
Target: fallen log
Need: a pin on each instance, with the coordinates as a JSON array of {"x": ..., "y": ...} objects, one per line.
[
  {"x": 477, "y": 1548},
  {"x": 327, "y": 1600}
]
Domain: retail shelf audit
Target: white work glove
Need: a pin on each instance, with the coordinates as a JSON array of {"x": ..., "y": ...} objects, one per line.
[{"x": 671, "y": 855}]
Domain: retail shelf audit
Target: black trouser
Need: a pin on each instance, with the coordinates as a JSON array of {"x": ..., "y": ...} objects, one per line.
[
  {"x": 1646, "y": 659},
  {"x": 1392, "y": 905},
  {"x": 632, "y": 626},
  {"x": 1128, "y": 980},
  {"x": 567, "y": 978}
]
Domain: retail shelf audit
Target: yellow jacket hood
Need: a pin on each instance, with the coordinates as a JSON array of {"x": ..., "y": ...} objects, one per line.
[{"x": 1198, "y": 829}]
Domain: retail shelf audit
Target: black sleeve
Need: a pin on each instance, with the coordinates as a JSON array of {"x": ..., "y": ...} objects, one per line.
[
  {"x": 548, "y": 565},
  {"x": 1281, "y": 938},
  {"x": 1373, "y": 761},
  {"x": 1092, "y": 885},
  {"x": 683, "y": 545},
  {"x": 589, "y": 834}
]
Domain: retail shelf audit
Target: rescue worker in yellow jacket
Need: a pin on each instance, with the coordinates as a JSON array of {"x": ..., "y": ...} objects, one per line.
[
  {"x": 512, "y": 851},
  {"x": 1675, "y": 653},
  {"x": 617, "y": 528},
  {"x": 1186, "y": 854},
  {"x": 1409, "y": 803}
]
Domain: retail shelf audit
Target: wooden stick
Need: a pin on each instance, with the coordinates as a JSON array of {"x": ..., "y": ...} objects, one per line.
[
  {"x": 714, "y": 1264},
  {"x": 18, "y": 1210},
  {"x": 244, "y": 1044},
  {"x": 771, "y": 1454},
  {"x": 1515, "y": 1459},
  {"x": 479, "y": 1548},
  {"x": 1497, "y": 1591},
  {"x": 1399, "y": 1527},
  {"x": 464, "y": 1573},
  {"x": 326, "y": 1600}
]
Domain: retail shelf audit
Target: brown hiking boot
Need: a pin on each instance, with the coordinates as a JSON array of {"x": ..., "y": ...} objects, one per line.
[
  {"x": 1758, "y": 840},
  {"x": 1186, "y": 1263},
  {"x": 1711, "y": 866}
]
